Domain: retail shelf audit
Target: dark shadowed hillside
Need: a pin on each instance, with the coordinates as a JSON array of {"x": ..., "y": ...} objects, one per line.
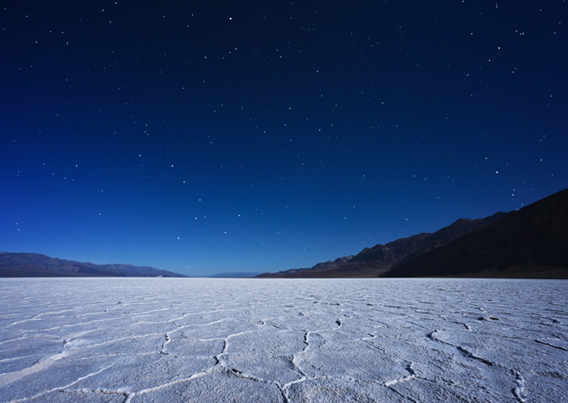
[
  {"x": 531, "y": 242},
  {"x": 36, "y": 265},
  {"x": 379, "y": 259}
]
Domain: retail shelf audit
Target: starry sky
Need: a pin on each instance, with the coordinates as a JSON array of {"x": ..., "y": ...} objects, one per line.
[{"x": 226, "y": 136}]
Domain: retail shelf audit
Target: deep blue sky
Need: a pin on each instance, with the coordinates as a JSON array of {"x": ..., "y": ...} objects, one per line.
[{"x": 206, "y": 137}]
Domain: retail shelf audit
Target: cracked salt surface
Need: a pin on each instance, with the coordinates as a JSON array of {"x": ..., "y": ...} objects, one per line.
[{"x": 244, "y": 340}]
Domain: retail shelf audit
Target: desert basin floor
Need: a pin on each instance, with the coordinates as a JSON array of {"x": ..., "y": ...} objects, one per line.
[{"x": 250, "y": 340}]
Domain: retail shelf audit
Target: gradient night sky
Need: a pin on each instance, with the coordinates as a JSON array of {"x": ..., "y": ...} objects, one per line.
[{"x": 215, "y": 136}]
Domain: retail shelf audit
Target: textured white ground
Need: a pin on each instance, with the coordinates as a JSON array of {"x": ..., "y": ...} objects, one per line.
[{"x": 227, "y": 340}]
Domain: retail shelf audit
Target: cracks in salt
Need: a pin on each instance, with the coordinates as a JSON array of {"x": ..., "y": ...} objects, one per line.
[
  {"x": 394, "y": 338},
  {"x": 130, "y": 337},
  {"x": 164, "y": 346},
  {"x": 295, "y": 358},
  {"x": 551, "y": 345},
  {"x": 404, "y": 396},
  {"x": 306, "y": 341},
  {"x": 219, "y": 367},
  {"x": 41, "y": 365},
  {"x": 519, "y": 391},
  {"x": 217, "y": 358},
  {"x": 168, "y": 335},
  {"x": 410, "y": 377},
  {"x": 265, "y": 323},
  {"x": 389, "y": 384},
  {"x": 449, "y": 320},
  {"x": 306, "y": 378},
  {"x": 373, "y": 346},
  {"x": 168, "y": 384},
  {"x": 469, "y": 354},
  {"x": 69, "y": 348},
  {"x": 303, "y": 376},
  {"x": 28, "y": 337},
  {"x": 102, "y": 391},
  {"x": 61, "y": 388},
  {"x": 168, "y": 338},
  {"x": 240, "y": 374},
  {"x": 70, "y": 341},
  {"x": 33, "y": 318},
  {"x": 434, "y": 336}
]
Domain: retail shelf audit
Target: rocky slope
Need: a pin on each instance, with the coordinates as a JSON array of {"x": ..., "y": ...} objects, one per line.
[
  {"x": 378, "y": 260},
  {"x": 529, "y": 243}
]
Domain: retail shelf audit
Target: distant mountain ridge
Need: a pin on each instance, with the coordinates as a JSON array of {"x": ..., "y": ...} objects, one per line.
[
  {"x": 529, "y": 243},
  {"x": 38, "y": 265},
  {"x": 379, "y": 259},
  {"x": 235, "y": 275}
]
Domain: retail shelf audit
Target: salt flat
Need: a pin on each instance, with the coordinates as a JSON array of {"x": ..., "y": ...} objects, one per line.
[{"x": 248, "y": 340}]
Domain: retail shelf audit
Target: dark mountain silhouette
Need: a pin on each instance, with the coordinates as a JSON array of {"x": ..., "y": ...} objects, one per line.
[
  {"x": 311, "y": 271},
  {"x": 36, "y": 265},
  {"x": 235, "y": 275},
  {"x": 379, "y": 259},
  {"x": 529, "y": 243}
]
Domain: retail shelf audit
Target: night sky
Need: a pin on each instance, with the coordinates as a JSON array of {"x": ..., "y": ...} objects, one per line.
[{"x": 216, "y": 136}]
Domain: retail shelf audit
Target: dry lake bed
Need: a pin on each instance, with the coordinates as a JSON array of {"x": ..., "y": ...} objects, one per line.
[{"x": 248, "y": 340}]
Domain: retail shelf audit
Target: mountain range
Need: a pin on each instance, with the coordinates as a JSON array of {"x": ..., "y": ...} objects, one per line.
[
  {"x": 235, "y": 275},
  {"x": 379, "y": 259},
  {"x": 531, "y": 242},
  {"x": 37, "y": 265}
]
